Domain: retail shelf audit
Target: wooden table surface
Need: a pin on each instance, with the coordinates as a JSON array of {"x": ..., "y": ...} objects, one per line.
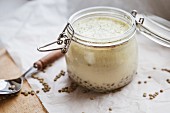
[{"x": 20, "y": 103}]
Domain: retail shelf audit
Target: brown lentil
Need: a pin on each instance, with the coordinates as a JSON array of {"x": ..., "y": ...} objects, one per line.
[
  {"x": 151, "y": 97},
  {"x": 69, "y": 89},
  {"x": 12, "y": 87},
  {"x": 32, "y": 92},
  {"x": 26, "y": 93},
  {"x": 62, "y": 73},
  {"x": 37, "y": 91},
  {"x": 145, "y": 82},
  {"x": 156, "y": 93},
  {"x": 168, "y": 80},
  {"x": 161, "y": 91},
  {"x": 41, "y": 81},
  {"x": 22, "y": 92},
  {"x": 46, "y": 88},
  {"x": 110, "y": 109},
  {"x": 149, "y": 77},
  {"x": 139, "y": 82},
  {"x": 144, "y": 94}
]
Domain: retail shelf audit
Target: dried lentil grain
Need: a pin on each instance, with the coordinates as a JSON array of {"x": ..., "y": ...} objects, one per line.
[
  {"x": 161, "y": 91},
  {"x": 151, "y": 97},
  {"x": 156, "y": 93},
  {"x": 37, "y": 91},
  {"x": 22, "y": 92},
  {"x": 110, "y": 109},
  {"x": 25, "y": 93},
  {"x": 154, "y": 68},
  {"x": 139, "y": 82},
  {"x": 144, "y": 94},
  {"x": 32, "y": 92},
  {"x": 149, "y": 77}
]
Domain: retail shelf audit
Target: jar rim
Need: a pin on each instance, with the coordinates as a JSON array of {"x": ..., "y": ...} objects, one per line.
[{"x": 127, "y": 35}]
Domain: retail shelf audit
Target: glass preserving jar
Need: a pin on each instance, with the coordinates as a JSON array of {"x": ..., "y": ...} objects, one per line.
[
  {"x": 102, "y": 61},
  {"x": 101, "y": 48}
]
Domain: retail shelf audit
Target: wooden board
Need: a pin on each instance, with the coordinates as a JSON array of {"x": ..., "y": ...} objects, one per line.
[{"x": 20, "y": 103}]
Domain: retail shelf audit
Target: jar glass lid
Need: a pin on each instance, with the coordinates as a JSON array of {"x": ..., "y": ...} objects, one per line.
[{"x": 151, "y": 29}]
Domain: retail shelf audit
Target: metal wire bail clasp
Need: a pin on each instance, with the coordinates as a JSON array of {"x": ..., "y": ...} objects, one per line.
[
  {"x": 138, "y": 21},
  {"x": 62, "y": 39}
]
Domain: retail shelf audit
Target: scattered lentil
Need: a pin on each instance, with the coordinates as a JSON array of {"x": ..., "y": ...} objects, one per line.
[
  {"x": 34, "y": 76},
  {"x": 168, "y": 80},
  {"x": 156, "y": 93},
  {"x": 110, "y": 109},
  {"x": 154, "y": 68},
  {"x": 145, "y": 82},
  {"x": 12, "y": 87},
  {"x": 139, "y": 82},
  {"x": 25, "y": 93},
  {"x": 46, "y": 87},
  {"x": 144, "y": 94},
  {"x": 22, "y": 92},
  {"x": 41, "y": 81},
  {"x": 149, "y": 77},
  {"x": 151, "y": 97},
  {"x": 161, "y": 91},
  {"x": 37, "y": 91},
  {"x": 32, "y": 92},
  {"x": 69, "y": 89},
  {"x": 62, "y": 73}
]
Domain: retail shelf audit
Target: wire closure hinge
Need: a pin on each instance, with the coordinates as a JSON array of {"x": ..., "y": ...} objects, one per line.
[
  {"x": 138, "y": 21},
  {"x": 63, "y": 39}
]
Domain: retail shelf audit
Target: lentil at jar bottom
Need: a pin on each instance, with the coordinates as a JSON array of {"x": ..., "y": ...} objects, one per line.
[{"x": 102, "y": 68}]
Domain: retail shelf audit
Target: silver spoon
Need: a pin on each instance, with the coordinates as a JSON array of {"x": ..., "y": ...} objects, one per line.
[{"x": 13, "y": 86}]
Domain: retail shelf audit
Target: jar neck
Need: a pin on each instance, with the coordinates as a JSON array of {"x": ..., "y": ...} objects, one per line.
[{"x": 103, "y": 11}]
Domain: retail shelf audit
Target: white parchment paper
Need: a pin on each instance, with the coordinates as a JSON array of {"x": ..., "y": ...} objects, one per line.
[{"x": 39, "y": 22}]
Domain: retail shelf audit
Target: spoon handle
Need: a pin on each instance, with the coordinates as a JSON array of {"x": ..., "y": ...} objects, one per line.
[{"x": 48, "y": 59}]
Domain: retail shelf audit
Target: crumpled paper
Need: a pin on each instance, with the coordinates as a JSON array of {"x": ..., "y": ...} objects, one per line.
[{"x": 39, "y": 22}]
